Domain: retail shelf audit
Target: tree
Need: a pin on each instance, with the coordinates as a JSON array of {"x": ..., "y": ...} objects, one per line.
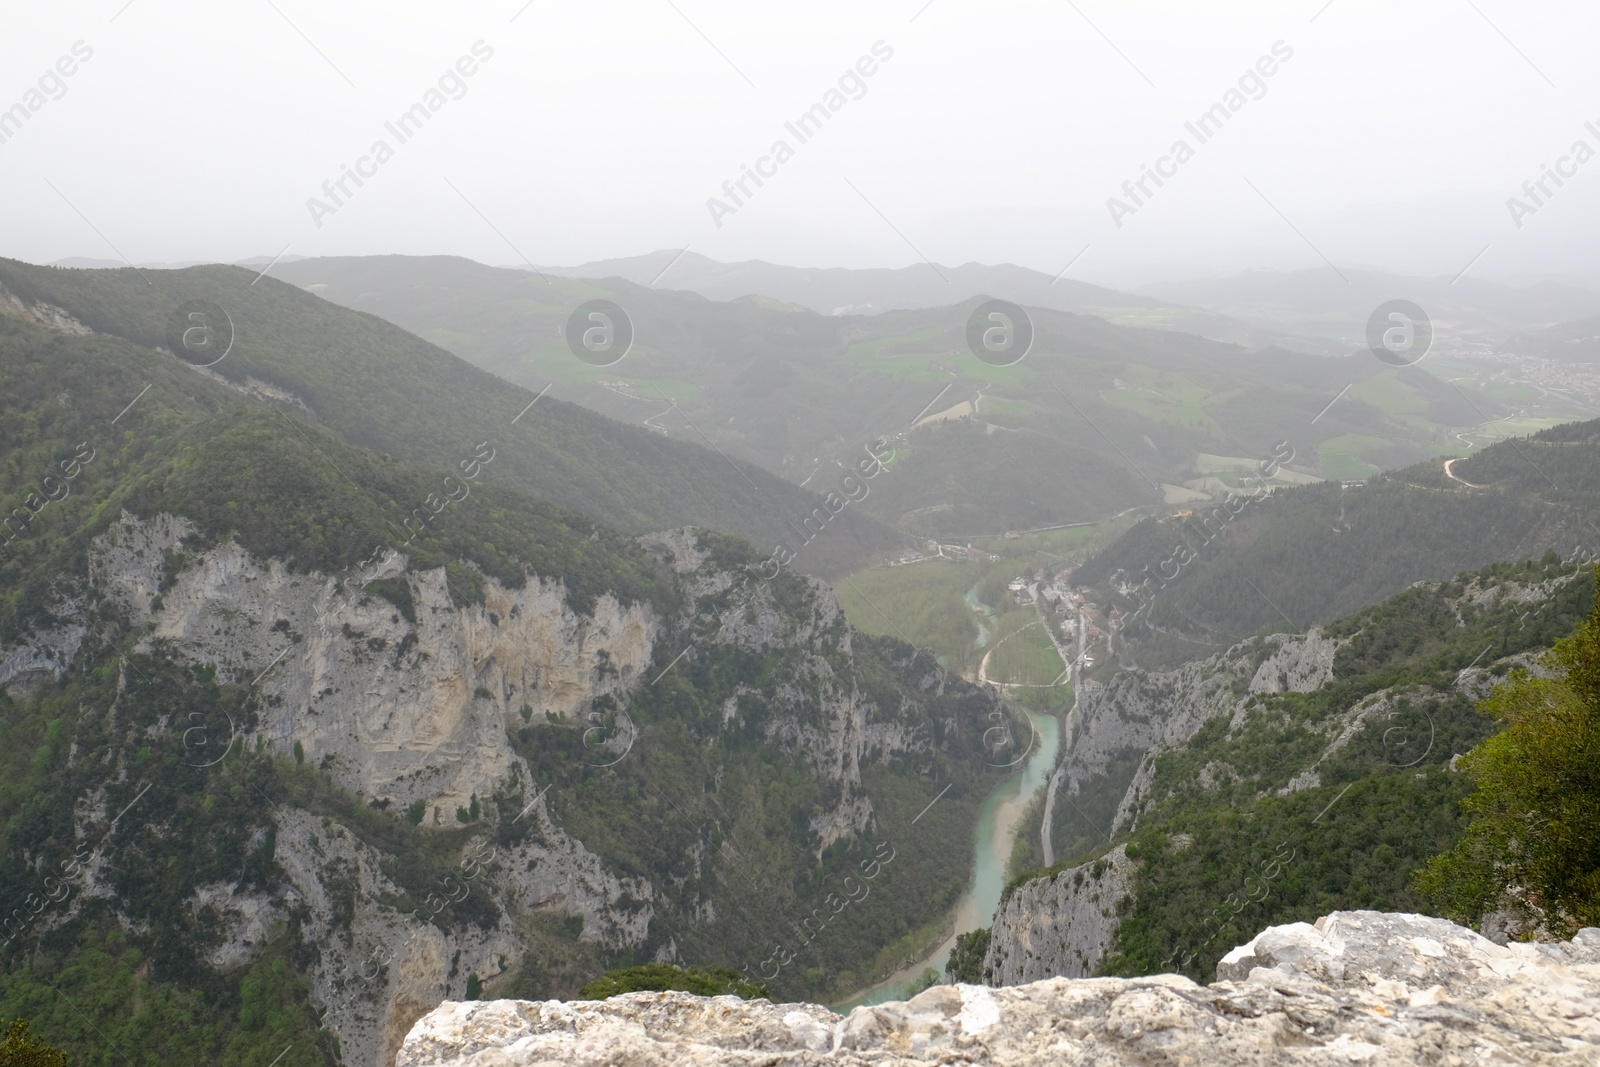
[
  {"x": 1534, "y": 841},
  {"x": 703, "y": 981},
  {"x": 18, "y": 1048},
  {"x": 966, "y": 958}
]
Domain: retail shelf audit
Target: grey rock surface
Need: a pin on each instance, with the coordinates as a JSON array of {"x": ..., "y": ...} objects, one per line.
[
  {"x": 1355, "y": 988},
  {"x": 416, "y": 704},
  {"x": 1157, "y": 711},
  {"x": 1060, "y": 925}
]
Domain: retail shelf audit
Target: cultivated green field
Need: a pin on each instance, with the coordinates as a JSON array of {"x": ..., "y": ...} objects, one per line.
[
  {"x": 921, "y": 603},
  {"x": 1164, "y": 396},
  {"x": 1025, "y": 656},
  {"x": 938, "y": 603}
]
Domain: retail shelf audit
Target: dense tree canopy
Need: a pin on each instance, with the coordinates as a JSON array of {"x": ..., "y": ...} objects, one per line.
[
  {"x": 1533, "y": 844},
  {"x": 18, "y": 1048}
]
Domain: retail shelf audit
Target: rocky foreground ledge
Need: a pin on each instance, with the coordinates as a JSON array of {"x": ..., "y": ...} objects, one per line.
[{"x": 1359, "y": 987}]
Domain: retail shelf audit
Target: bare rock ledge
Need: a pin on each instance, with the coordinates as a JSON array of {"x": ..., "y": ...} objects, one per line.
[{"x": 1358, "y": 987}]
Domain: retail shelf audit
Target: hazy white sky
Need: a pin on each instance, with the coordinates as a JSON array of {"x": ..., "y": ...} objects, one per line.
[{"x": 1392, "y": 137}]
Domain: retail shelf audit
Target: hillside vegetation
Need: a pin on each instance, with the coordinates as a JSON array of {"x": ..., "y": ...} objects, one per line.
[
  {"x": 118, "y": 947},
  {"x": 1533, "y": 846},
  {"x": 1306, "y": 802},
  {"x": 1096, "y": 419},
  {"x": 1311, "y": 554},
  {"x": 378, "y": 387}
]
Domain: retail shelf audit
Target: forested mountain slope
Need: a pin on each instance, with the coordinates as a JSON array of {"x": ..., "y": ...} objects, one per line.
[
  {"x": 381, "y": 388},
  {"x": 280, "y": 771},
  {"x": 1311, "y": 554},
  {"x": 1096, "y": 418},
  {"x": 1283, "y": 777}
]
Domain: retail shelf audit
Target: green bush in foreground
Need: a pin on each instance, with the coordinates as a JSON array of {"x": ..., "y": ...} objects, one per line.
[
  {"x": 966, "y": 958},
  {"x": 1536, "y": 813},
  {"x": 18, "y": 1048},
  {"x": 656, "y": 977}
]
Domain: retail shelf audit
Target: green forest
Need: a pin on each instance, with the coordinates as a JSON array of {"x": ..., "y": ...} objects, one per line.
[
  {"x": 1227, "y": 846},
  {"x": 378, "y": 387},
  {"x": 1312, "y": 554},
  {"x": 716, "y": 813}
]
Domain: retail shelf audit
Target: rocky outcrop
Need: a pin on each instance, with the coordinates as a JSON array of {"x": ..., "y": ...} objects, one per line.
[
  {"x": 1143, "y": 713},
  {"x": 406, "y": 694},
  {"x": 42, "y": 655},
  {"x": 399, "y": 704},
  {"x": 1358, "y": 987},
  {"x": 1060, "y": 925},
  {"x": 1158, "y": 711},
  {"x": 44, "y": 314}
]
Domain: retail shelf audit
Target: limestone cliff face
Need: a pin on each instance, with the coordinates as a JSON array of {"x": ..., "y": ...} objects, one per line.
[
  {"x": 1150, "y": 712},
  {"x": 405, "y": 699},
  {"x": 397, "y": 709},
  {"x": 40, "y": 312},
  {"x": 1357, "y": 987},
  {"x": 1061, "y": 925},
  {"x": 1169, "y": 707}
]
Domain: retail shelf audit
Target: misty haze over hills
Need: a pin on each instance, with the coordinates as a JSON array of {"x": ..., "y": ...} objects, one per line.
[{"x": 1301, "y": 310}]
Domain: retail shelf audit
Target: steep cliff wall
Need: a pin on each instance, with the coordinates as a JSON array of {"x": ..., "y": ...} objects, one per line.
[
  {"x": 1139, "y": 714},
  {"x": 398, "y": 703},
  {"x": 415, "y": 702},
  {"x": 1059, "y": 925}
]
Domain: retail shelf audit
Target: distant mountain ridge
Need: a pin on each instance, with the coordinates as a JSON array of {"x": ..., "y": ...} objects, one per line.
[
  {"x": 1096, "y": 419},
  {"x": 869, "y": 291},
  {"x": 383, "y": 388}
]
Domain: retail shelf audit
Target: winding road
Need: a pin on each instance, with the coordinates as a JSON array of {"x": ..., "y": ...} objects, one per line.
[{"x": 1453, "y": 477}]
